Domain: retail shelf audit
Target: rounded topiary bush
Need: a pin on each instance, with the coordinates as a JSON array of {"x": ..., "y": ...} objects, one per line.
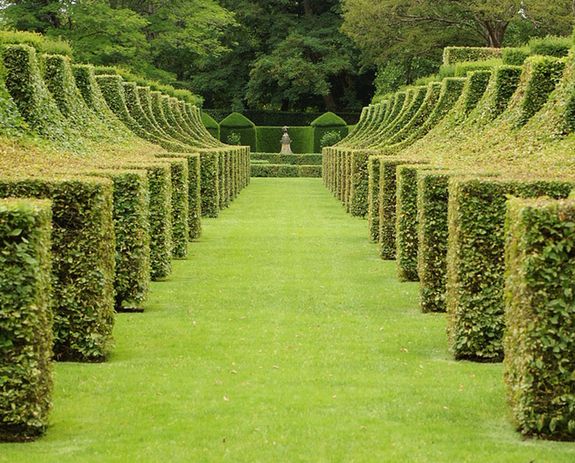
[
  {"x": 328, "y": 122},
  {"x": 241, "y": 125},
  {"x": 211, "y": 125}
]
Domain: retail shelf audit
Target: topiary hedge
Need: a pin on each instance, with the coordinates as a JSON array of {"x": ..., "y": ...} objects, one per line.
[
  {"x": 180, "y": 206},
  {"x": 194, "y": 192},
  {"x": 241, "y": 125},
  {"x": 285, "y": 170},
  {"x": 539, "y": 300},
  {"x": 477, "y": 209},
  {"x": 25, "y": 319},
  {"x": 211, "y": 125},
  {"x": 132, "y": 232},
  {"x": 373, "y": 169},
  {"x": 328, "y": 122},
  {"x": 209, "y": 162},
  {"x": 452, "y": 55},
  {"x": 359, "y": 184},
  {"x": 83, "y": 248},
  {"x": 294, "y": 159}
]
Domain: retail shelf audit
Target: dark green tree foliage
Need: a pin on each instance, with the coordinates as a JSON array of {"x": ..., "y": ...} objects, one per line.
[
  {"x": 82, "y": 261},
  {"x": 25, "y": 319},
  {"x": 539, "y": 301}
]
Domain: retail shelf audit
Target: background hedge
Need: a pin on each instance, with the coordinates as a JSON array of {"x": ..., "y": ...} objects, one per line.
[
  {"x": 241, "y": 125},
  {"x": 452, "y": 55},
  {"x": 328, "y": 122},
  {"x": 25, "y": 319},
  {"x": 297, "y": 159},
  {"x": 83, "y": 248},
  {"x": 268, "y": 139},
  {"x": 477, "y": 209},
  {"x": 539, "y": 315}
]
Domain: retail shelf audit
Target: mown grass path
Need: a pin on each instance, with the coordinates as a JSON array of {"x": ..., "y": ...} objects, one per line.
[{"x": 282, "y": 339}]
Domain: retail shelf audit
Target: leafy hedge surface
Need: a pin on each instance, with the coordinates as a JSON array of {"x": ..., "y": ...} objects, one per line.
[
  {"x": 406, "y": 230},
  {"x": 241, "y": 125},
  {"x": 387, "y": 200},
  {"x": 432, "y": 200},
  {"x": 285, "y": 170},
  {"x": 194, "y": 193},
  {"x": 113, "y": 92},
  {"x": 328, "y": 122},
  {"x": 474, "y": 89},
  {"x": 515, "y": 56},
  {"x": 132, "y": 231},
  {"x": 452, "y": 55},
  {"x": 268, "y": 139},
  {"x": 297, "y": 159},
  {"x": 11, "y": 122},
  {"x": 373, "y": 169},
  {"x": 477, "y": 209},
  {"x": 83, "y": 248},
  {"x": 211, "y": 125},
  {"x": 180, "y": 207},
  {"x": 25, "y": 319},
  {"x": 543, "y": 73},
  {"x": 359, "y": 184},
  {"x": 27, "y": 88},
  {"x": 540, "y": 301},
  {"x": 210, "y": 183}
]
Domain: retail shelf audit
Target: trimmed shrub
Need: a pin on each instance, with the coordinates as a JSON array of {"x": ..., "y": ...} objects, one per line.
[
  {"x": 452, "y": 55},
  {"x": 241, "y": 125},
  {"x": 359, "y": 184},
  {"x": 83, "y": 248},
  {"x": 211, "y": 125},
  {"x": 387, "y": 206},
  {"x": 113, "y": 92},
  {"x": 539, "y": 300},
  {"x": 294, "y": 159},
  {"x": 269, "y": 139},
  {"x": 194, "y": 192},
  {"x": 475, "y": 269},
  {"x": 550, "y": 46},
  {"x": 132, "y": 231},
  {"x": 11, "y": 122},
  {"x": 331, "y": 138},
  {"x": 210, "y": 166},
  {"x": 515, "y": 56},
  {"x": 275, "y": 170},
  {"x": 406, "y": 229},
  {"x": 328, "y": 122},
  {"x": 373, "y": 170},
  {"x": 473, "y": 91},
  {"x": 25, "y": 319},
  {"x": 309, "y": 171}
]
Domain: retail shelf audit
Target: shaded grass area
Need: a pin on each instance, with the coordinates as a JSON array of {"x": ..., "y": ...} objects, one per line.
[{"x": 283, "y": 338}]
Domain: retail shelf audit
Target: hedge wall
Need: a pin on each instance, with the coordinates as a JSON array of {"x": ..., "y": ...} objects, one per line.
[
  {"x": 373, "y": 170},
  {"x": 25, "y": 319},
  {"x": 83, "y": 248},
  {"x": 328, "y": 122},
  {"x": 210, "y": 183},
  {"x": 406, "y": 226},
  {"x": 194, "y": 192},
  {"x": 211, "y": 125},
  {"x": 539, "y": 315},
  {"x": 477, "y": 209},
  {"x": 268, "y": 139},
  {"x": 241, "y": 125},
  {"x": 452, "y": 55},
  {"x": 295, "y": 159},
  {"x": 285, "y": 170},
  {"x": 359, "y": 184},
  {"x": 132, "y": 232}
]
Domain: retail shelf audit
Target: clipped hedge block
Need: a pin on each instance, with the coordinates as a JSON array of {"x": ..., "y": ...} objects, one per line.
[
  {"x": 539, "y": 315},
  {"x": 294, "y": 159},
  {"x": 359, "y": 184},
  {"x": 328, "y": 122},
  {"x": 210, "y": 167},
  {"x": 452, "y": 55},
  {"x": 515, "y": 56},
  {"x": 194, "y": 192},
  {"x": 132, "y": 231},
  {"x": 475, "y": 269},
  {"x": 373, "y": 170},
  {"x": 268, "y": 139},
  {"x": 83, "y": 248},
  {"x": 25, "y": 319},
  {"x": 211, "y": 125},
  {"x": 241, "y": 125}
]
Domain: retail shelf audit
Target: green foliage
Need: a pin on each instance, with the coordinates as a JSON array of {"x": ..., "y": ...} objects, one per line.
[
  {"x": 406, "y": 227},
  {"x": 294, "y": 159},
  {"x": 285, "y": 170},
  {"x": 373, "y": 170},
  {"x": 330, "y": 138},
  {"x": 234, "y": 138},
  {"x": 269, "y": 139},
  {"x": 539, "y": 299},
  {"x": 132, "y": 233},
  {"x": 462, "y": 69},
  {"x": 42, "y": 43},
  {"x": 515, "y": 56},
  {"x": 11, "y": 122},
  {"x": 194, "y": 192},
  {"x": 550, "y": 46},
  {"x": 475, "y": 306},
  {"x": 180, "y": 207},
  {"x": 387, "y": 199},
  {"x": 211, "y": 124},
  {"x": 452, "y": 55},
  {"x": 237, "y": 121},
  {"x": 359, "y": 184},
  {"x": 113, "y": 92},
  {"x": 210, "y": 166},
  {"x": 83, "y": 248},
  {"x": 25, "y": 319}
]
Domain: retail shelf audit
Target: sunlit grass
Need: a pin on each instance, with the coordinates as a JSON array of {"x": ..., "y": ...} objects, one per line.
[{"x": 282, "y": 338}]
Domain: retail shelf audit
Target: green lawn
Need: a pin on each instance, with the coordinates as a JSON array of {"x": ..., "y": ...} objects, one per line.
[{"x": 283, "y": 338}]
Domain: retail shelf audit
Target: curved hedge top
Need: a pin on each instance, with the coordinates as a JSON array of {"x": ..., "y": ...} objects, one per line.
[
  {"x": 41, "y": 43},
  {"x": 328, "y": 119},
  {"x": 237, "y": 121},
  {"x": 452, "y": 55},
  {"x": 209, "y": 121}
]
